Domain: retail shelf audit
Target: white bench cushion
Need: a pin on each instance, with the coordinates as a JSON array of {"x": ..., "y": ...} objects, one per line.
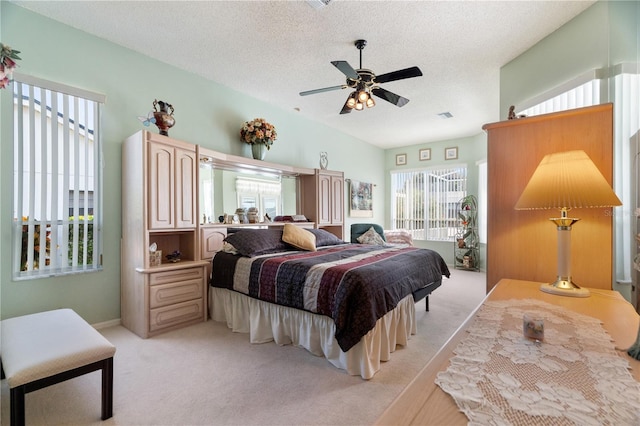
[{"x": 40, "y": 345}]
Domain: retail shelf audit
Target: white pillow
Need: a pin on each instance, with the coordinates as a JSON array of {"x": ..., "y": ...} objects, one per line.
[{"x": 371, "y": 237}]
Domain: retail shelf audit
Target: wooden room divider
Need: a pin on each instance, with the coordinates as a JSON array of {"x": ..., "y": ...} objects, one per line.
[{"x": 522, "y": 244}]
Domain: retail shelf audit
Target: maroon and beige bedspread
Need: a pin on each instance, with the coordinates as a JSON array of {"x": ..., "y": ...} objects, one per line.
[{"x": 353, "y": 284}]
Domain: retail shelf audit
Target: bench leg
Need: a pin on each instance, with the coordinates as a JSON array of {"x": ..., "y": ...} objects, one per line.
[
  {"x": 17, "y": 405},
  {"x": 107, "y": 388},
  {"x": 427, "y": 302}
]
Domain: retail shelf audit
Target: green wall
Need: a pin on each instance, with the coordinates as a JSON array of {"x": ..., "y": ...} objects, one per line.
[
  {"x": 604, "y": 35},
  {"x": 206, "y": 113}
]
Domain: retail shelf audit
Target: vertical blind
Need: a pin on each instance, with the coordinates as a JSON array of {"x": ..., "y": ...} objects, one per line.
[
  {"x": 57, "y": 179},
  {"x": 425, "y": 202},
  {"x": 583, "y": 95},
  {"x": 626, "y": 116}
]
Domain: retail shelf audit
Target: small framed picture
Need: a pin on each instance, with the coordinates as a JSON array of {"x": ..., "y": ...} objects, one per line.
[
  {"x": 425, "y": 154},
  {"x": 451, "y": 153},
  {"x": 401, "y": 159}
]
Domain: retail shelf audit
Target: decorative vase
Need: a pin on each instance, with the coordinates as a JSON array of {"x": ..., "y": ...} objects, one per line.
[
  {"x": 164, "y": 116},
  {"x": 258, "y": 150}
]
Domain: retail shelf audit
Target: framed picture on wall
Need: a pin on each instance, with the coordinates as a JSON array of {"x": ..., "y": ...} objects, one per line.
[
  {"x": 361, "y": 196},
  {"x": 451, "y": 153},
  {"x": 401, "y": 159},
  {"x": 425, "y": 154}
]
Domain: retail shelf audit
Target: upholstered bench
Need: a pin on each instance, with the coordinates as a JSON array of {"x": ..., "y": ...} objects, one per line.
[{"x": 46, "y": 348}]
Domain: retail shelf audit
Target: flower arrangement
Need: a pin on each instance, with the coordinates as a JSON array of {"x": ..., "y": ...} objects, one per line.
[
  {"x": 258, "y": 131},
  {"x": 8, "y": 58}
]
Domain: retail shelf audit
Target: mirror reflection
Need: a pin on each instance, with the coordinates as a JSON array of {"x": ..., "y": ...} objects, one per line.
[{"x": 224, "y": 191}]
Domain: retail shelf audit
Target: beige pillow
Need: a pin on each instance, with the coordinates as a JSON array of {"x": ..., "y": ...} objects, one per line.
[{"x": 299, "y": 237}]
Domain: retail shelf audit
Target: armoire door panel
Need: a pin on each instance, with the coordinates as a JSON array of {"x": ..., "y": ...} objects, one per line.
[
  {"x": 161, "y": 186},
  {"x": 185, "y": 188}
]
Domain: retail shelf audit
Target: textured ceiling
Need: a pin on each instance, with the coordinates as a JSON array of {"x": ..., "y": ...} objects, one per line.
[{"x": 459, "y": 46}]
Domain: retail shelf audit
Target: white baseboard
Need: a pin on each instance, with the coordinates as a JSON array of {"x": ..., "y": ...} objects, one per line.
[{"x": 106, "y": 324}]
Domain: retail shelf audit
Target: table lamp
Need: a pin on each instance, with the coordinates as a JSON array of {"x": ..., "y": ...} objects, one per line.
[{"x": 566, "y": 180}]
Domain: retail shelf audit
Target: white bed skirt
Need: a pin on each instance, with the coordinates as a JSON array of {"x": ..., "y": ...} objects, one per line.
[{"x": 266, "y": 322}]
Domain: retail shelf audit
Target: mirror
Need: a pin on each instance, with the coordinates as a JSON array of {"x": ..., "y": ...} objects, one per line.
[{"x": 223, "y": 190}]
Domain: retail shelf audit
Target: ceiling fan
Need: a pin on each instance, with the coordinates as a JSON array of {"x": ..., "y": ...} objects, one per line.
[{"x": 365, "y": 83}]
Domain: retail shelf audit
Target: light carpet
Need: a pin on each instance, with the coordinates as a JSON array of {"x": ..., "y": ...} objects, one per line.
[{"x": 207, "y": 375}]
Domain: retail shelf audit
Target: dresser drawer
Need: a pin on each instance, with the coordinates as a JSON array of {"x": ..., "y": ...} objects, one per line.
[
  {"x": 169, "y": 316},
  {"x": 167, "y": 294},
  {"x": 177, "y": 275}
]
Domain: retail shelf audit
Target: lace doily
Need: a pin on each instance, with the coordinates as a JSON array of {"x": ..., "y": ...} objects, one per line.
[{"x": 574, "y": 377}]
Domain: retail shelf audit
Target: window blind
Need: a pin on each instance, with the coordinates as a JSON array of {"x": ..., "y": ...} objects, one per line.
[
  {"x": 586, "y": 94},
  {"x": 626, "y": 116},
  {"x": 425, "y": 202},
  {"x": 258, "y": 186}
]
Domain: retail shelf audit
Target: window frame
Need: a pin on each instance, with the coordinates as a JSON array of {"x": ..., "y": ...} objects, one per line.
[{"x": 77, "y": 127}]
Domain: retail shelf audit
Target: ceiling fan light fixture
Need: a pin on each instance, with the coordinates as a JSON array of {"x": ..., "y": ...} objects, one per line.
[
  {"x": 363, "y": 96},
  {"x": 359, "y": 106},
  {"x": 370, "y": 102},
  {"x": 351, "y": 102}
]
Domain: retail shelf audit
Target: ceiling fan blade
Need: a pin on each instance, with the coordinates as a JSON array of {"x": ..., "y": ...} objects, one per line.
[
  {"x": 389, "y": 96},
  {"x": 346, "y": 69},
  {"x": 399, "y": 75},
  {"x": 324, "y": 89}
]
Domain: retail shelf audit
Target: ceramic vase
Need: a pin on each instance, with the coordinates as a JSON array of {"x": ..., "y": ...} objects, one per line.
[
  {"x": 164, "y": 116},
  {"x": 259, "y": 151}
]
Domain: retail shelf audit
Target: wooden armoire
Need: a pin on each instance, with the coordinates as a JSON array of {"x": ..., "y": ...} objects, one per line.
[{"x": 522, "y": 244}]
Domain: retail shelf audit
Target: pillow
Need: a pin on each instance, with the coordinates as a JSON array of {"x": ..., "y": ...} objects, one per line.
[
  {"x": 371, "y": 237},
  {"x": 253, "y": 242},
  {"x": 229, "y": 248},
  {"x": 299, "y": 237},
  {"x": 398, "y": 236},
  {"x": 325, "y": 238},
  {"x": 357, "y": 229}
]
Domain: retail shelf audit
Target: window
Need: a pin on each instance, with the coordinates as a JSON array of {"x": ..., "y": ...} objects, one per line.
[
  {"x": 582, "y": 95},
  {"x": 260, "y": 193},
  {"x": 57, "y": 178},
  {"x": 425, "y": 202}
]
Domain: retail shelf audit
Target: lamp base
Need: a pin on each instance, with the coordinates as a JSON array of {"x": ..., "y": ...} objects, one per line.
[{"x": 565, "y": 287}]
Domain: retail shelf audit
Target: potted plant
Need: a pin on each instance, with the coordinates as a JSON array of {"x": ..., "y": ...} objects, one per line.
[{"x": 467, "y": 237}]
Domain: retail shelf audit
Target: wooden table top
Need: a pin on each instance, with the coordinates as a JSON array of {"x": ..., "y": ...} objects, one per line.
[{"x": 422, "y": 402}]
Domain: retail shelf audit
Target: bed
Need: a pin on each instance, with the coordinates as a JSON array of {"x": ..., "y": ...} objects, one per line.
[{"x": 351, "y": 303}]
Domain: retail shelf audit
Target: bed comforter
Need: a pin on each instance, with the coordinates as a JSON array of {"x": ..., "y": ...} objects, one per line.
[{"x": 353, "y": 284}]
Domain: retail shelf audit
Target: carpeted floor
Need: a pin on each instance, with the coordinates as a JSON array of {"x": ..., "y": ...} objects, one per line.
[{"x": 207, "y": 375}]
